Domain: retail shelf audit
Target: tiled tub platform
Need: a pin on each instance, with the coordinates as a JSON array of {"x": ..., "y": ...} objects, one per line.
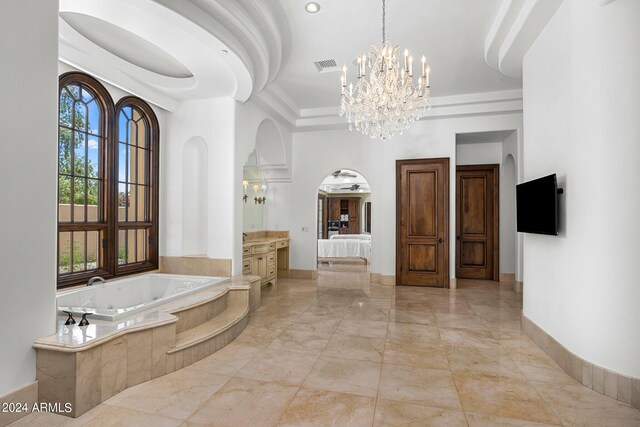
[{"x": 85, "y": 366}]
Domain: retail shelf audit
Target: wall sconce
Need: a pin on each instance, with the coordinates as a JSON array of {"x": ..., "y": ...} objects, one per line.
[
  {"x": 245, "y": 184},
  {"x": 260, "y": 200}
]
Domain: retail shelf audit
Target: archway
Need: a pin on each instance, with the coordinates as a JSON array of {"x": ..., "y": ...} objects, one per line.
[{"x": 343, "y": 225}]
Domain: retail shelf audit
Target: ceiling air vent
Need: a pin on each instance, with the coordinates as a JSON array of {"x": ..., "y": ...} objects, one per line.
[{"x": 326, "y": 66}]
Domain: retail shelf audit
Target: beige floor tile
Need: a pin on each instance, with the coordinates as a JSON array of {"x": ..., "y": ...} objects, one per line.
[
  {"x": 354, "y": 347},
  {"x": 363, "y": 328},
  {"x": 228, "y": 360},
  {"x": 325, "y": 408},
  {"x": 577, "y": 405},
  {"x": 492, "y": 361},
  {"x": 258, "y": 336},
  {"x": 458, "y": 337},
  {"x": 537, "y": 366},
  {"x": 119, "y": 417},
  {"x": 414, "y": 333},
  {"x": 503, "y": 397},
  {"x": 367, "y": 313},
  {"x": 344, "y": 376},
  {"x": 299, "y": 340},
  {"x": 285, "y": 367},
  {"x": 402, "y": 352},
  {"x": 176, "y": 395},
  {"x": 244, "y": 402},
  {"x": 431, "y": 387},
  {"x": 390, "y": 413},
  {"x": 465, "y": 321},
  {"x": 316, "y": 323},
  {"x": 412, "y": 316},
  {"x": 483, "y": 420}
]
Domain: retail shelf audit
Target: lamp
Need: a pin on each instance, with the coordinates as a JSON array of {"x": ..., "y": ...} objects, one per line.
[
  {"x": 387, "y": 102},
  {"x": 260, "y": 200},
  {"x": 245, "y": 184}
]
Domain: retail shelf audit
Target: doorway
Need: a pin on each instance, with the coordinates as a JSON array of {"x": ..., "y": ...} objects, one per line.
[
  {"x": 344, "y": 231},
  {"x": 477, "y": 222},
  {"x": 422, "y": 222}
]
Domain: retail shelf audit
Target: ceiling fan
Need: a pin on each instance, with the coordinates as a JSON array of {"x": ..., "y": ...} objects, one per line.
[
  {"x": 354, "y": 187},
  {"x": 340, "y": 173}
]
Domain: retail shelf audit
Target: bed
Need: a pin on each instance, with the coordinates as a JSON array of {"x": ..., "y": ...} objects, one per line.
[{"x": 345, "y": 247}]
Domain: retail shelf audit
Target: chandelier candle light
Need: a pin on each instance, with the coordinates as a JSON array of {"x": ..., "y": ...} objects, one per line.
[{"x": 387, "y": 102}]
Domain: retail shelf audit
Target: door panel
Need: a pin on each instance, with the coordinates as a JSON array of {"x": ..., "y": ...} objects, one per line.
[
  {"x": 477, "y": 191},
  {"x": 422, "y": 218}
]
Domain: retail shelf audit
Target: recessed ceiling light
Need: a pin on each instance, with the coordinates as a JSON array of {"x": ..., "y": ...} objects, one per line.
[{"x": 312, "y": 7}]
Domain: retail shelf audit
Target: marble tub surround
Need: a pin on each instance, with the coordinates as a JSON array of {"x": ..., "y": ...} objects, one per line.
[
  {"x": 195, "y": 265},
  {"x": 87, "y": 365}
]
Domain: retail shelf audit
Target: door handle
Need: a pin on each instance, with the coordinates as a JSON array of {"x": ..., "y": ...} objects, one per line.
[
  {"x": 458, "y": 237},
  {"x": 440, "y": 240}
]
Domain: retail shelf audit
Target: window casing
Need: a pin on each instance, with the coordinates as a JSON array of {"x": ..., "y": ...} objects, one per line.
[{"x": 107, "y": 221}]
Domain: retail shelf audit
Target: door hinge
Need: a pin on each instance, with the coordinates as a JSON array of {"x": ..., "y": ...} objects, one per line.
[
  {"x": 150, "y": 239},
  {"x": 104, "y": 243}
]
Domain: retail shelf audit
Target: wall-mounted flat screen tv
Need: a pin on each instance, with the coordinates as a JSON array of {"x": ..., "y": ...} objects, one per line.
[{"x": 537, "y": 206}]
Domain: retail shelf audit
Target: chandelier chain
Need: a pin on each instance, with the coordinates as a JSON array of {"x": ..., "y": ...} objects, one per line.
[{"x": 384, "y": 21}]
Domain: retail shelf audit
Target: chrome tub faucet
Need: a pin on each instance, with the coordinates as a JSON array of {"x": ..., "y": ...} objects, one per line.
[{"x": 95, "y": 279}]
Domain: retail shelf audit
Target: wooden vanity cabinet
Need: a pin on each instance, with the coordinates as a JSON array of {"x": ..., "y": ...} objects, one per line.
[{"x": 259, "y": 259}]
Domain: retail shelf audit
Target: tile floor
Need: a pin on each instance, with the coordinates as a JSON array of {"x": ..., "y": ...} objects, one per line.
[{"x": 342, "y": 351}]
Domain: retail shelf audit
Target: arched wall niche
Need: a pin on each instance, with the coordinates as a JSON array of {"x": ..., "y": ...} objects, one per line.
[
  {"x": 195, "y": 190},
  {"x": 270, "y": 150}
]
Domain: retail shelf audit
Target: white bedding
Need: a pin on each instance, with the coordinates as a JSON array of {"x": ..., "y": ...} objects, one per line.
[
  {"x": 344, "y": 248},
  {"x": 351, "y": 236}
]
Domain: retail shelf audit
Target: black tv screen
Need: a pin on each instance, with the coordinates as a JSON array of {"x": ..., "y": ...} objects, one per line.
[{"x": 537, "y": 206}]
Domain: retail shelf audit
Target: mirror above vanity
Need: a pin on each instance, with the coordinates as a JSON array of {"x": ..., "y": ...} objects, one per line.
[{"x": 254, "y": 196}]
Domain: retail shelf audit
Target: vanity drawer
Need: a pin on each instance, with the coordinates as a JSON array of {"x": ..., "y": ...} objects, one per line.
[
  {"x": 261, "y": 249},
  {"x": 271, "y": 258},
  {"x": 271, "y": 272},
  {"x": 246, "y": 266},
  {"x": 282, "y": 244},
  {"x": 246, "y": 251}
]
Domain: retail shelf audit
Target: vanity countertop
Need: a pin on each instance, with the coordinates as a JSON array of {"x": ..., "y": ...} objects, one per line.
[{"x": 264, "y": 237}]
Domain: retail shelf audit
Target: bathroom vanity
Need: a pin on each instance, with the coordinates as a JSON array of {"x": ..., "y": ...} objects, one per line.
[{"x": 266, "y": 254}]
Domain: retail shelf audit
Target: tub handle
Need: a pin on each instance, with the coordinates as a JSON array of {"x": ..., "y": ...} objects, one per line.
[
  {"x": 70, "y": 320},
  {"x": 84, "y": 321}
]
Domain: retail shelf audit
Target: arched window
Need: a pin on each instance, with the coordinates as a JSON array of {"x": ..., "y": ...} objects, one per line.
[
  {"x": 107, "y": 222},
  {"x": 137, "y": 169}
]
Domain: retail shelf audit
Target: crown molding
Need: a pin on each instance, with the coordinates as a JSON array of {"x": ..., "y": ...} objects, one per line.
[{"x": 475, "y": 104}]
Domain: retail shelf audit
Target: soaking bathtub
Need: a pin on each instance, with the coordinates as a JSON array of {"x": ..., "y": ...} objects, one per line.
[{"x": 123, "y": 297}]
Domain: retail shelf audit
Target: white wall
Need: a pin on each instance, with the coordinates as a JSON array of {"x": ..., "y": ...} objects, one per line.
[
  {"x": 28, "y": 177},
  {"x": 581, "y": 122},
  {"x": 316, "y": 154},
  {"x": 212, "y": 123},
  {"x": 479, "y": 153}
]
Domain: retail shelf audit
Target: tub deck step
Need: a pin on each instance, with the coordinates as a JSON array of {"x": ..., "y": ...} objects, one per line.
[{"x": 205, "y": 331}]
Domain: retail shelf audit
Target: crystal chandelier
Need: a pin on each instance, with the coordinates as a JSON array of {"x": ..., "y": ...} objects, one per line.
[{"x": 387, "y": 102}]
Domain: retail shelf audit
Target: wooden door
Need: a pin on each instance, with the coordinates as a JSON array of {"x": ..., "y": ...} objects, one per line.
[
  {"x": 422, "y": 222},
  {"x": 477, "y": 213},
  {"x": 354, "y": 215},
  {"x": 333, "y": 209}
]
